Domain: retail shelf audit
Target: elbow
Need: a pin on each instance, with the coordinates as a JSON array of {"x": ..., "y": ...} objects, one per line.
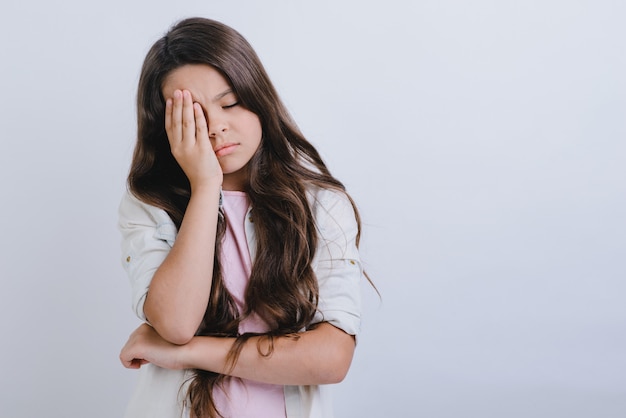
[
  {"x": 336, "y": 373},
  {"x": 172, "y": 331},
  {"x": 335, "y": 354},
  {"x": 337, "y": 364},
  {"x": 177, "y": 337},
  {"x": 331, "y": 378},
  {"x": 175, "y": 329},
  {"x": 175, "y": 333}
]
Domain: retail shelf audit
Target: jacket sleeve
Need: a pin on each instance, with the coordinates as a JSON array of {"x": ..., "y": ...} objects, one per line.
[
  {"x": 337, "y": 264},
  {"x": 148, "y": 234}
]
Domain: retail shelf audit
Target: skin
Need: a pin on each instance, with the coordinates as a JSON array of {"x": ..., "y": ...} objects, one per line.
[{"x": 212, "y": 137}]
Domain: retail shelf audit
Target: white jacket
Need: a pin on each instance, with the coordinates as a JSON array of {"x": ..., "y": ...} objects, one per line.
[{"x": 148, "y": 234}]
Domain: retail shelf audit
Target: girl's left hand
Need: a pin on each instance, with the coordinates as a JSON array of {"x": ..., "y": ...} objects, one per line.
[{"x": 145, "y": 345}]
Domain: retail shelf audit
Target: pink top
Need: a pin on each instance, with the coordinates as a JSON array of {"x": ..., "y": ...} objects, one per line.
[{"x": 242, "y": 398}]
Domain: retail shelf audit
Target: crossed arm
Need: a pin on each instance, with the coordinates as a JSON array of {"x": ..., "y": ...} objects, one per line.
[{"x": 319, "y": 356}]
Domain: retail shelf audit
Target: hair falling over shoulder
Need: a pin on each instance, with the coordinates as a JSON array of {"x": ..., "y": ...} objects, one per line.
[{"x": 282, "y": 287}]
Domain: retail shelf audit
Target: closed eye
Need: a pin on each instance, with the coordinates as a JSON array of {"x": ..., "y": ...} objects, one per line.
[{"x": 230, "y": 105}]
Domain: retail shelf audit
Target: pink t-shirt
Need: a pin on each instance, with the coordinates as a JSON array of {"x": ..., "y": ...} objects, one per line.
[{"x": 242, "y": 398}]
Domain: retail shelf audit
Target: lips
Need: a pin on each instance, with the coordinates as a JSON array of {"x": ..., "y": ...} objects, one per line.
[{"x": 225, "y": 149}]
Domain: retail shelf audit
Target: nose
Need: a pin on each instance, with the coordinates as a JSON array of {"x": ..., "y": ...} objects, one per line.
[{"x": 217, "y": 126}]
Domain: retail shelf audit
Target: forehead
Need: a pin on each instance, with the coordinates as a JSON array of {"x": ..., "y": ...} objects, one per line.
[{"x": 200, "y": 79}]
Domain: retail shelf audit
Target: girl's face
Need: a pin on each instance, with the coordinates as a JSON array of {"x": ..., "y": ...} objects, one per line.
[{"x": 234, "y": 131}]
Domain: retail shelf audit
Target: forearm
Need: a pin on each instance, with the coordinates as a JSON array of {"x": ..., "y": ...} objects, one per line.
[
  {"x": 179, "y": 291},
  {"x": 319, "y": 356}
]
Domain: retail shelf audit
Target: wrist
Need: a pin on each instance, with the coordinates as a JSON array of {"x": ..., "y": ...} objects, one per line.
[
  {"x": 206, "y": 353},
  {"x": 185, "y": 355},
  {"x": 208, "y": 190},
  {"x": 210, "y": 185}
]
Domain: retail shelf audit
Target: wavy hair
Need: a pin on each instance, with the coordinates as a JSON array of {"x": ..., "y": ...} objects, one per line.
[{"x": 282, "y": 288}]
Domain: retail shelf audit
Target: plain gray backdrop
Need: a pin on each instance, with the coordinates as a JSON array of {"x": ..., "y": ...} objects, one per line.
[{"x": 484, "y": 142}]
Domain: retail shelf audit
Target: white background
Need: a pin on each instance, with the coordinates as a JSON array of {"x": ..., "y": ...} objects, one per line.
[{"x": 484, "y": 141}]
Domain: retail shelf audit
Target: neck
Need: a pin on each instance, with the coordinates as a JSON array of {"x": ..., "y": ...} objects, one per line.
[{"x": 236, "y": 181}]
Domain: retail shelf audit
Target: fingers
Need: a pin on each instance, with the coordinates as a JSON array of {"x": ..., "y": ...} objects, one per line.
[
  {"x": 188, "y": 119},
  {"x": 128, "y": 360},
  {"x": 133, "y": 352},
  {"x": 202, "y": 129},
  {"x": 134, "y": 363},
  {"x": 187, "y": 129},
  {"x": 173, "y": 117},
  {"x": 180, "y": 123},
  {"x": 168, "y": 116}
]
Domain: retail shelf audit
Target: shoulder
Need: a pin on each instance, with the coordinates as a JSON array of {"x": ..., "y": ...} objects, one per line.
[
  {"x": 134, "y": 212},
  {"x": 326, "y": 198},
  {"x": 331, "y": 208}
]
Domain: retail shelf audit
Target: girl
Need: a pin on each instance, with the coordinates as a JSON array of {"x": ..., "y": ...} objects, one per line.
[{"x": 240, "y": 246}]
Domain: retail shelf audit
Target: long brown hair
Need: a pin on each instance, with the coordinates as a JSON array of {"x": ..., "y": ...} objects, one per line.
[{"x": 282, "y": 288}]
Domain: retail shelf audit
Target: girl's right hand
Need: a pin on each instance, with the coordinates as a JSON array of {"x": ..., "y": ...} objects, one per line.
[
  {"x": 145, "y": 346},
  {"x": 188, "y": 135}
]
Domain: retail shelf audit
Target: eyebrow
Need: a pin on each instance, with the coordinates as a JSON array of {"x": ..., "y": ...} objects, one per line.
[{"x": 222, "y": 94}]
